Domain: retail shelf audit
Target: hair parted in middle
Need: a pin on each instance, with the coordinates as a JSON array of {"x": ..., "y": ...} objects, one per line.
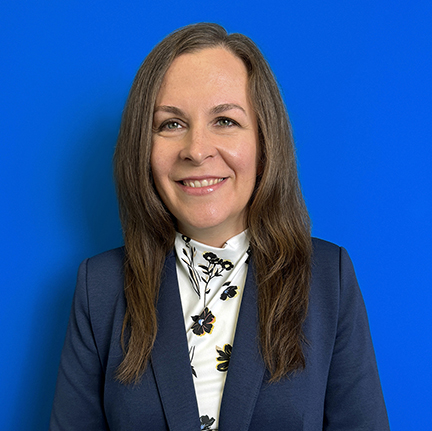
[{"x": 277, "y": 219}]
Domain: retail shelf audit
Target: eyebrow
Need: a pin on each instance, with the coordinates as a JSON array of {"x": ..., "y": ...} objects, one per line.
[
  {"x": 226, "y": 107},
  {"x": 215, "y": 110},
  {"x": 170, "y": 109}
]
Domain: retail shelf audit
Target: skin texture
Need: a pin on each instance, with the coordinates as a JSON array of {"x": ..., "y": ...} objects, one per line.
[{"x": 205, "y": 129}]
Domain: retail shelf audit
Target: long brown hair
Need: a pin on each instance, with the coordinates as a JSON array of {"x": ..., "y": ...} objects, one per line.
[{"x": 277, "y": 218}]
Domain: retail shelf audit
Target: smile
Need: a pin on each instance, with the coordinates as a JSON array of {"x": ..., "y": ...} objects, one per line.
[{"x": 202, "y": 183}]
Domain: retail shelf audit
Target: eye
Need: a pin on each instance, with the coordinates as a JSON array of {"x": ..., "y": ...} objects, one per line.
[
  {"x": 168, "y": 126},
  {"x": 226, "y": 122},
  {"x": 171, "y": 125}
]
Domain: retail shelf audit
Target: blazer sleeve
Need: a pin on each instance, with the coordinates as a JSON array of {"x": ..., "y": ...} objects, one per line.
[
  {"x": 354, "y": 399},
  {"x": 78, "y": 400}
]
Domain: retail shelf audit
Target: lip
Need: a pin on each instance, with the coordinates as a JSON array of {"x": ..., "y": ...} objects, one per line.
[
  {"x": 199, "y": 191},
  {"x": 199, "y": 183}
]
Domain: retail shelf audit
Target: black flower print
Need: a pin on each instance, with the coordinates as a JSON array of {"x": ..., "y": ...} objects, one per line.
[
  {"x": 203, "y": 322},
  {"x": 229, "y": 291},
  {"x": 193, "y": 274},
  {"x": 249, "y": 253},
  {"x": 191, "y": 356},
  {"x": 214, "y": 268},
  {"x": 206, "y": 422},
  {"x": 211, "y": 257},
  {"x": 227, "y": 265},
  {"x": 224, "y": 357}
]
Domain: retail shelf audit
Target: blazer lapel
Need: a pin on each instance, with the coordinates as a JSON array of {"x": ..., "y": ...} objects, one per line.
[
  {"x": 246, "y": 368},
  {"x": 170, "y": 356}
]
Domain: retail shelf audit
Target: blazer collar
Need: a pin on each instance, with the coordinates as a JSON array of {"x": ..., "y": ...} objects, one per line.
[
  {"x": 170, "y": 357},
  {"x": 246, "y": 368},
  {"x": 171, "y": 365}
]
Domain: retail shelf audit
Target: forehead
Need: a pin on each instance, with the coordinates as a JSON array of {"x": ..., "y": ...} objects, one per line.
[{"x": 208, "y": 72}]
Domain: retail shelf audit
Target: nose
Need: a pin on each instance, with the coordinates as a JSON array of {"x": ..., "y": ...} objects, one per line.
[{"x": 198, "y": 145}]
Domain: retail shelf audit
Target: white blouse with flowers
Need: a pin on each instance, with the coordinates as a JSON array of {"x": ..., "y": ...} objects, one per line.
[{"x": 211, "y": 282}]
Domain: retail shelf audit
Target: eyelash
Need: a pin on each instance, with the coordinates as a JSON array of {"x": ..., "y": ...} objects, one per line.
[
  {"x": 165, "y": 124},
  {"x": 233, "y": 123}
]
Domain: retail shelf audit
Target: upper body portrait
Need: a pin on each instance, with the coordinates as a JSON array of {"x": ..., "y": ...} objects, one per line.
[{"x": 220, "y": 312}]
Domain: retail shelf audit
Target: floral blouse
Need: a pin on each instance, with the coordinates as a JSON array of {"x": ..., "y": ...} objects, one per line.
[{"x": 211, "y": 282}]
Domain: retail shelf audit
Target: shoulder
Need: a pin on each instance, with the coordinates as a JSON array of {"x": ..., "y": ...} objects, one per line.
[
  {"x": 325, "y": 261},
  {"x": 333, "y": 275},
  {"x": 334, "y": 292},
  {"x": 327, "y": 256},
  {"x": 110, "y": 262},
  {"x": 99, "y": 299},
  {"x": 324, "y": 250},
  {"x": 103, "y": 268},
  {"x": 100, "y": 278}
]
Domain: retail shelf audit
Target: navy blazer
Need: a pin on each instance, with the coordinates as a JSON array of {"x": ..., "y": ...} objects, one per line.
[{"x": 339, "y": 390}]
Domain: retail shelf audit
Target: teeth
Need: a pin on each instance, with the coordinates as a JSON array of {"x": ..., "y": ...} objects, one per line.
[{"x": 203, "y": 183}]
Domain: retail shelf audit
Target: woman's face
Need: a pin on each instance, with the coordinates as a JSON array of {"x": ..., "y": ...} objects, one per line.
[{"x": 205, "y": 144}]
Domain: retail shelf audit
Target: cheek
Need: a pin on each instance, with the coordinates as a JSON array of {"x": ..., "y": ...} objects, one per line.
[
  {"x": 158, "y": 159},
  {"x": 247, "y": 160},
  {"x": 158, "y": 169}
]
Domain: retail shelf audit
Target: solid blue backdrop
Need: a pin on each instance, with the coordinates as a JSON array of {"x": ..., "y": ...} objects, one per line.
[{"x": 356, "y": 79}]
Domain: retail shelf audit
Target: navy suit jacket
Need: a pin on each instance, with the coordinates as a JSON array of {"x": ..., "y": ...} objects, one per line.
[{"x": 339, "y": 390}]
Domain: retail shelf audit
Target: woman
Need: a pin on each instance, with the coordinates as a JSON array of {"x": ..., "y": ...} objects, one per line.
[{"x": 220, "y": 312}]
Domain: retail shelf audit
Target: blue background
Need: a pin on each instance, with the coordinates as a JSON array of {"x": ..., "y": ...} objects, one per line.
[{"x": 356, "y": 78}]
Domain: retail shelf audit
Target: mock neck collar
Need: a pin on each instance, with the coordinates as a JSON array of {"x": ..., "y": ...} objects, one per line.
[{"x": 232, "y": 249}]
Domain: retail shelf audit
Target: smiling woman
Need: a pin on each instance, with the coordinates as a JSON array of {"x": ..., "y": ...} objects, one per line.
[{"x": 217, "y": 253}]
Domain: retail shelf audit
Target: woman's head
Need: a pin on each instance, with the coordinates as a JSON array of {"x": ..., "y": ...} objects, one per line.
[
  {"x": 273, "y": 209},
  {"x": 277, "y": 177}
]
